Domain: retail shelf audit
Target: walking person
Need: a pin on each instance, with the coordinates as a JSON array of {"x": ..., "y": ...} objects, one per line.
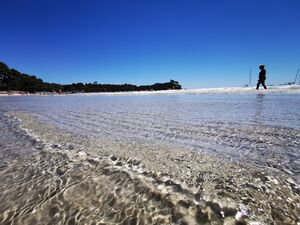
[{"x": 261, "y": 77}]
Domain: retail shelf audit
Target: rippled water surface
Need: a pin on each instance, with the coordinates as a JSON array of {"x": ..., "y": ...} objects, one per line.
[
  {"x": 254, "y": 126},
  {"x": 261, "y": 131}
]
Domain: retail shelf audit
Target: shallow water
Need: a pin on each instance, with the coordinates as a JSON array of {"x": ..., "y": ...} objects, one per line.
[
  {"x": 261, "y": 131},
  {"x": 40, "y": 187},
  {"x": 262, "y": 128}
]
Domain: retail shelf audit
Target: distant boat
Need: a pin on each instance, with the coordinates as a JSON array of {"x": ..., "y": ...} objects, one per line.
[
  {"x": 249, "y": 84},
  {"x": 295, "y": 81}
]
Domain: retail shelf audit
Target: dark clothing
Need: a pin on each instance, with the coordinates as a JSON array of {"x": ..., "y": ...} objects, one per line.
[
  {"x": 261, "y": 79},
  {"x": 262, "y": 74},
  {"x": 262, "y": 82}
]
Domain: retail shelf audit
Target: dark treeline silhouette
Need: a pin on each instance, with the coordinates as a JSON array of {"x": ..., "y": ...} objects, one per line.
[{"x": 13, "y": 80}]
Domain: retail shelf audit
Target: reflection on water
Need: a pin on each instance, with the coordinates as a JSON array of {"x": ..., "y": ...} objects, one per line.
[{"x": 259, "y": 107}]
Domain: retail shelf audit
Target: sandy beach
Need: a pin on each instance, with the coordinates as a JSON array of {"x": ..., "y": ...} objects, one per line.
[{"x": 150, "y": 112}]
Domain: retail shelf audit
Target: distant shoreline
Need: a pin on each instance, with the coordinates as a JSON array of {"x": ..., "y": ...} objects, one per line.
[{"x": 223, "y": 90}]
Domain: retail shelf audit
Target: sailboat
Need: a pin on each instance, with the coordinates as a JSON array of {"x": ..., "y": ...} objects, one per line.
[
  {"x": 295, "y": 81},
  {"x": 249, "y": 84}
]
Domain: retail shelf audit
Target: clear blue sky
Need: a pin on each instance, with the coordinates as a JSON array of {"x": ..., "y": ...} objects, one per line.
[{"x": 208, "y": 43}]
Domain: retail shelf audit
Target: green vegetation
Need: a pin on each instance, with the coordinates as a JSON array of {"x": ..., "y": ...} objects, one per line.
[{"x": 13, "y": 80}]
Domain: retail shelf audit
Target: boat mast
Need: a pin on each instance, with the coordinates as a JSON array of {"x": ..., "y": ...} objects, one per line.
[
  {"x": 250, "y": 78},
  {"x": 296, "y": 77},
  {"x": 299, "y": 76}
]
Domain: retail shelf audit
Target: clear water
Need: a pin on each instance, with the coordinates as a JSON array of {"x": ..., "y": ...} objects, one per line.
[
  {"x": 256, "y": 127},
  {"x": 260, "y": 130}
]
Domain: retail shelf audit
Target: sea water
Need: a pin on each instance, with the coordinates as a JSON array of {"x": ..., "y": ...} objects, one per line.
[{"x": 259, "y": 130}]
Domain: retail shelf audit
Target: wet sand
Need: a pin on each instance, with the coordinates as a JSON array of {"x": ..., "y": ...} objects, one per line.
[{"x": 69, "y": 179}]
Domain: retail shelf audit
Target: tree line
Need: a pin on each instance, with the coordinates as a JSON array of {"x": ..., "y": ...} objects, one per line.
[{"x": 13, "y": 80}]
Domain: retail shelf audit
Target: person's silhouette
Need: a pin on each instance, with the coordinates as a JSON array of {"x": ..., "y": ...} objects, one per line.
[{"x": 262, "y": 77}]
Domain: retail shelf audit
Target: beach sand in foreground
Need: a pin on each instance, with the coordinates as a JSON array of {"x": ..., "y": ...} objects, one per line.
[{"x": 88, "y": 180}]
